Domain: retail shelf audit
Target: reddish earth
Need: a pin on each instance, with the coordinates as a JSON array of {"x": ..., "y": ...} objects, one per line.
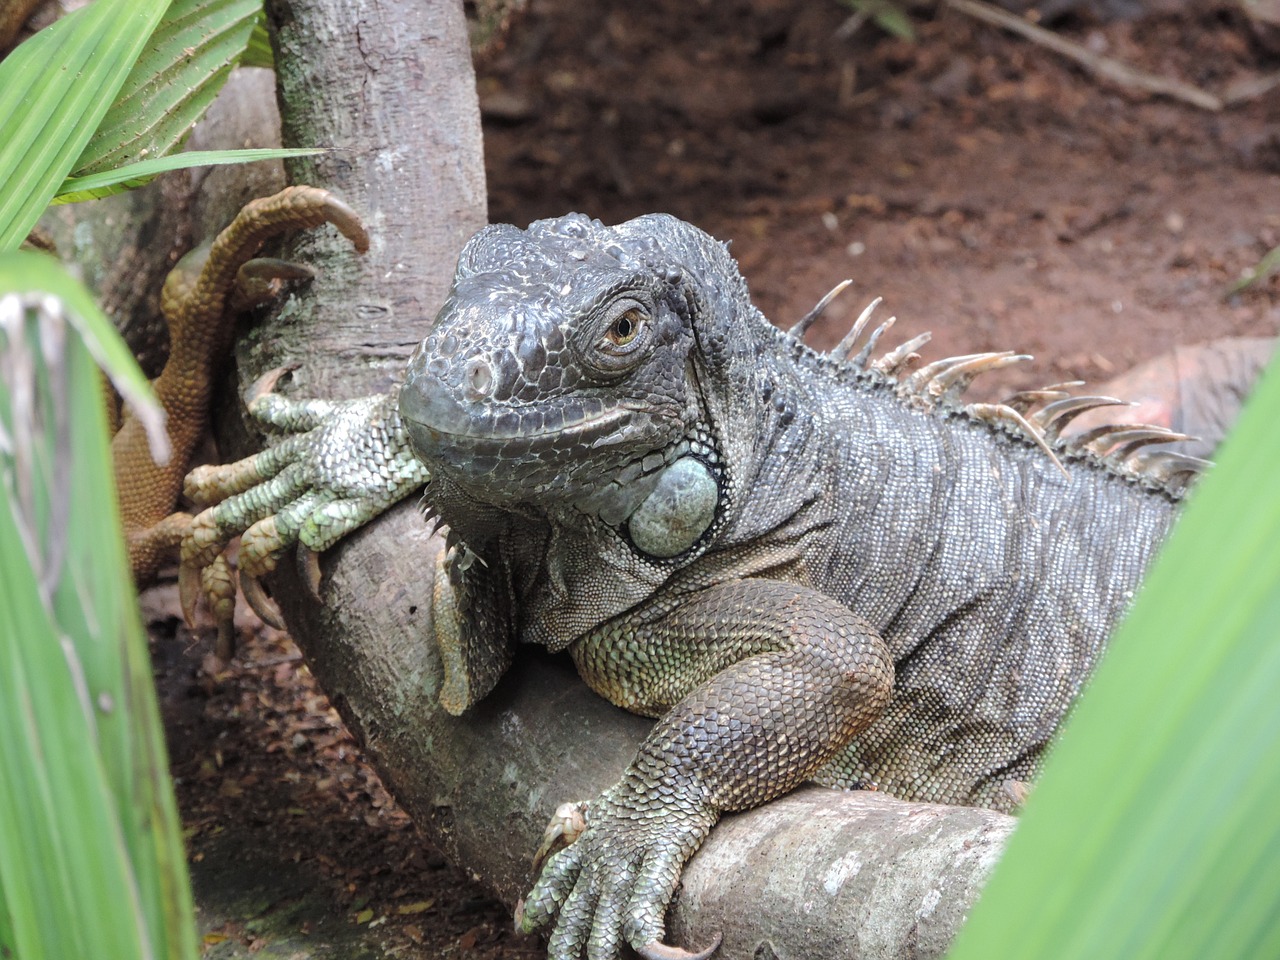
[{"x": 986, "y": 188}]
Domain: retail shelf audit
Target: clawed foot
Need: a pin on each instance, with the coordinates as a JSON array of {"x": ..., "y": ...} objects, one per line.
[
  {"x": 339, "y": 464},
  {"x": 215, "y": 581},
  {"x": 613, "y": 882}
]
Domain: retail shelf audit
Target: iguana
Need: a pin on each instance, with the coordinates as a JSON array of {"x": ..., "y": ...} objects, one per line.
[{"x": 807, "y": 566}]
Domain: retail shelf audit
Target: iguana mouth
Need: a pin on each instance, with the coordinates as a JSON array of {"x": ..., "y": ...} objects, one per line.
[
  {"x": 516, "y": 433},
  {"x": 532, "y": 446},
  {"x": 434, "y": 407}
]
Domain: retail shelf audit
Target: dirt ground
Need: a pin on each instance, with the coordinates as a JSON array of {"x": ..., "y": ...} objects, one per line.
[{"x": 986, "y": 188}]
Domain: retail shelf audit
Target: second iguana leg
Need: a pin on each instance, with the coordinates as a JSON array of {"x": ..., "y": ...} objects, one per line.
[{"x": 199, "y": 298}]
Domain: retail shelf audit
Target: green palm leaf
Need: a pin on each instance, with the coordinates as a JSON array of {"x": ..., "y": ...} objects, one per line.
[
  {"x": 183, "y": 66},
  {"x": 1155, "y": 832},
  {"x": 55, "y": 89}
]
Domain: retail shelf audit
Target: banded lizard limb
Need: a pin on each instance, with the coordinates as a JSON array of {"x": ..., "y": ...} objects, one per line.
[{"x": 200, "y": 299}]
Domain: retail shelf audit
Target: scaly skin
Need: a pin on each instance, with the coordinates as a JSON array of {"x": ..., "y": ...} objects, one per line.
[
  {"x": 805, "y": 567},
  {"x": 200, "y": 299}
]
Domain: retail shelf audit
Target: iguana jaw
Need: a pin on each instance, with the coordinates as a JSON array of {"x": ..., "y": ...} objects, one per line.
[{"x": 485, "y": 445}]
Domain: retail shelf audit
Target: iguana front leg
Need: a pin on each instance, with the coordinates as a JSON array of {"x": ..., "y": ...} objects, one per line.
[
  {"x": 341, "y": 464},
  {"x": 765, "y": 683}
]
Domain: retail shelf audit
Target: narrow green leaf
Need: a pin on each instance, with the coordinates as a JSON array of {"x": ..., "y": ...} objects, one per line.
[
  {"x": 888, "y": 15},
  {"x": 258, "y": 53},
  {"x": 37, "y": 274},
  {"x": 894, "y": 22},
  {"x": 1264, "y": 268},
  {"x": 54, "y": 90},
  {"x": 179, "y": 73},
  {"x": 61, "y": 842},
  {"x": 76, "y": 189},
  {"x": 1155, "y": 831},
  {"x": 91, "y": 861}
]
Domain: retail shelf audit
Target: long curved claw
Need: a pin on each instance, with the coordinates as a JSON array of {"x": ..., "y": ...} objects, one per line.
[
  {"x": 213, "y": 580},
  {"x": 309, "y": 564},
  {"x": 224, "y": 646},
  {"x": 347, "y": 221},
  {"x": 662, "y": 951},
  {"x": 273, "y": 268},
  {"x": 189, "y": 591},
  {"x": 267, "y": 382},
  {"x": 566, "y": 825},
  {"x": 262, "y": 279},
  {"x": 267, "y": 609}
]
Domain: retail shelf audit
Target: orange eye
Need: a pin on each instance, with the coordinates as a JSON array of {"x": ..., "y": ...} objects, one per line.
[{"x": 625, "y": 328}]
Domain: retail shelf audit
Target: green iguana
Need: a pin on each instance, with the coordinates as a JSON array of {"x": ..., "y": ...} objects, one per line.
[{"x": 807, "y": 566}]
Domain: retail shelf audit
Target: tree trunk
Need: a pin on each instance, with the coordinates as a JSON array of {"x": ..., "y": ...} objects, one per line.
[{"x": 389, "y": 89}]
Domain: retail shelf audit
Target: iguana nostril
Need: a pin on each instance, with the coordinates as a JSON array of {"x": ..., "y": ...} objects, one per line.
[{"x": 479, "y": 377}]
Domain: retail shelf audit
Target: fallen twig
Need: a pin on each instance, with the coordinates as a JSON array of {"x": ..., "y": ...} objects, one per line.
[
  {"x": 1250, "y": 89},
  {"x": 1106, "y": 67}
]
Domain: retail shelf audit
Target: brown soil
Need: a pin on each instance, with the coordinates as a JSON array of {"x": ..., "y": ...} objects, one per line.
[
  {"x": 984, "y": 187},
  {"x": 296, "y": 849},
  {"x": 987, "y": 189}
]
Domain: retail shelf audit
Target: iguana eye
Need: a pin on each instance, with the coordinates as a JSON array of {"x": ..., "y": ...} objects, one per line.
[
  {"x": 625, "y": 328},
  {"x": 621, "y": 340}
]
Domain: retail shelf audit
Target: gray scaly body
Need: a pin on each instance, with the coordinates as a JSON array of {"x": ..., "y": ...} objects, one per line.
[{"x": 806, "y": 567}]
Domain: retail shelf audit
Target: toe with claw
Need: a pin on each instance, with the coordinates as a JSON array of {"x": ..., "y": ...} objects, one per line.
[
  {"x": 338, "y": 465},
  {"x": 567, "y": 824}
]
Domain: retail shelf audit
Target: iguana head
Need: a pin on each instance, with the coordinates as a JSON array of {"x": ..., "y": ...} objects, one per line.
[{"x": 559, "y": 373}]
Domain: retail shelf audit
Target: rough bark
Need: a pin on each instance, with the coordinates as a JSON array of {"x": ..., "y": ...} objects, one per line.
[{"x": 390, "y": 90}]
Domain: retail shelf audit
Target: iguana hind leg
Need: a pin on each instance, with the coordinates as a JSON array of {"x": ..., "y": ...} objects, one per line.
[
  {"x": 765, "y": 681},
  {"x": 199, "y": 300}
]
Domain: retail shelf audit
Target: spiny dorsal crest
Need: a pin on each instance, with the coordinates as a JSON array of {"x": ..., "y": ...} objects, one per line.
[{"x": 1038, "y": 415}]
